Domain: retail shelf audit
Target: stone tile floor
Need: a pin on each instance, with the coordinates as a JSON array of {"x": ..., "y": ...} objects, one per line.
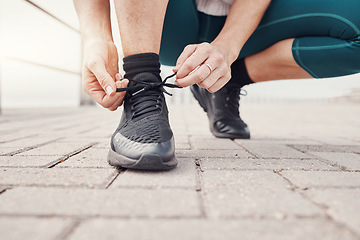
[{"x": 297, "y": 178}]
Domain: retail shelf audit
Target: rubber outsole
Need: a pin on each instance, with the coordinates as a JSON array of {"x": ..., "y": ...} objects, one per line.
[
  {"x": 197, "y": 95},
  {"x": 151, "y": 162}
]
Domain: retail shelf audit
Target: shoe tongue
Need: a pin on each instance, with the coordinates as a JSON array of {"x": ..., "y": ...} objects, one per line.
[
  {"x": 144, "y": 77},
  {"x": 145, "y": 101}
]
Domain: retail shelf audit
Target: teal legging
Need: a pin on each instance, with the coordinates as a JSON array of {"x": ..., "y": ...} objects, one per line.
[{"x": 326, "y": 32}]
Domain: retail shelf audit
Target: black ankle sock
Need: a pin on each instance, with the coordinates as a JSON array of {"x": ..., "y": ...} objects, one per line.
[
  {"x": 143, "y": 62},
  {"x": 239, "y": 75}
]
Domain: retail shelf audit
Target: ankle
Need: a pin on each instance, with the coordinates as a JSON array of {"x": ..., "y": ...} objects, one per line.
[
  {"x": 239, "y": 75},
  {"x": 143, "y": 62}
]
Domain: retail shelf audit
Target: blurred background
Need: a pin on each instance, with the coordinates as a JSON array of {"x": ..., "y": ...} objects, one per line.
[{"x": 41, "y": 55}]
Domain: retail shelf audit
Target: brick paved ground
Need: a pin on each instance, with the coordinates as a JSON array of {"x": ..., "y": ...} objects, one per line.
[{"x": 298, "y": 178}]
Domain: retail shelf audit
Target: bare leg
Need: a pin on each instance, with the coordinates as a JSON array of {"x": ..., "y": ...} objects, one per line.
[
  {"x": 275, "y": 63},
  {"x": 140, "y": 24}
]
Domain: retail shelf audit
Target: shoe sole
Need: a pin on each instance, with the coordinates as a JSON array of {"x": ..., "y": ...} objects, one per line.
[
  {"x": 151, "y": 162},
  {"x": 197, "y": 95}
]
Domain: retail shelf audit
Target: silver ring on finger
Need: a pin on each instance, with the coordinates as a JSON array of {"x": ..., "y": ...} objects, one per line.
[{"x": 210, "y": 68}]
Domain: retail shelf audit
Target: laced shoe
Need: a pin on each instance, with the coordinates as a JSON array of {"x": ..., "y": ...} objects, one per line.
[
  {"x": 144, "y": 139},
  {"x": 222, "y": 108}
]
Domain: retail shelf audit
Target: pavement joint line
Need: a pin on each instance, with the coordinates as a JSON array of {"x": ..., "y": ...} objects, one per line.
[
  {"x": 67, "y": 156},
  {"x": 119, "y": 171},
  {"x": 37, "y": 167},
  {"x": 4, "y": 190},
  {"x": 328, "y": 145},
  {"x": 96, "y": 187},
  {"x": 61, "y": 186},
  {"x": 343, "y": 168},
  {"x": 246, "y": 150},
  {"x": 199, "y": 188},
  {"x": 192, "y": 147},
  {"x": 322, "y": 206},
  {"x": 102, "y": 216},
  {"x": 156, "y": 187},
  {"x": 30, "y": 148},
  {"x": 82, "y": 217},
  {"x": 65, "y": 234}
]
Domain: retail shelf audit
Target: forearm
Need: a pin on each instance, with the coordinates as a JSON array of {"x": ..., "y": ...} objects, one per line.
[
  {"x": 94, "y": 18},
  {"x": 241, "y": 22}
]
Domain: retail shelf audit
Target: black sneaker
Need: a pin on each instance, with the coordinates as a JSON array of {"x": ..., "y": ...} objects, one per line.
[
  {"x": 144, "y": 139},
  {"x": 222, "y": 108}
]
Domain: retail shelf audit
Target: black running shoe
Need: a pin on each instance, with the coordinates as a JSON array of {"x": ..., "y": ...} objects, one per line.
[
  {"x": 144, "y": 139},
  {"x": 222, "y": 108}
]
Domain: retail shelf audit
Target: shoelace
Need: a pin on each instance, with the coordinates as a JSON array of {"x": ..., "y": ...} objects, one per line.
[
  {"x": 146, "y": 96},
  {"x": 233, "y": 98}
]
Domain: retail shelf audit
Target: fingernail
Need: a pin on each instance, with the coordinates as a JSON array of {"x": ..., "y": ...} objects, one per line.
[
  {"x": 109, "y": 90},
  {"x": 176, "y": 83}
]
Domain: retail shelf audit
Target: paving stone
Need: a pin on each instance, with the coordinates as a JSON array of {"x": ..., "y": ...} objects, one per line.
[
  {"x": 77, "y": 138},
  {"x": 305, "y": 179},
  {"x": 343, "y": 204},
  {"x": 90, "y": 177},
  {"x": 27, "y": 142},
  {"x": 180, "y": 138},
  {"x": 105, "y": 144},
  {"x": 182, "y": 176},
  {"x": 99, "y": 132},
  {"x": 273, "y": 151},
  {"x": 213, "y": 143},
  {"x": 336, "y": 141},
  {"x": 328, "y": 148},
  {"x": 29, "y": 228},
  {"x": 182, "y": 146},
  {"x": 191, "y": 229},
  {"x": 100, "y": 202},
  {"x": 239, "y": 153},
  {"x": 349, "y": 160},
  {"x": 91, "y": 157},
  {"x": 26, "y": 161},
  {"x": 4, "y": 138},
  {"x": 272, "y": 140},
  {"x": 56, "y": 149},
  {"x": 253, "y": 193},
  {"x": 264, "y": 164}
]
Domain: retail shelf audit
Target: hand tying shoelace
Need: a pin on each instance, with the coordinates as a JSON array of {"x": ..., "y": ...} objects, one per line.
[
  {"x": 146, "y": 96},
  {"x": 142, "y": 86}
]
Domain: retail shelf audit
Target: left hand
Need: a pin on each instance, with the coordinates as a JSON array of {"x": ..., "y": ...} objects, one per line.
[{"x": 203, "y": 64}]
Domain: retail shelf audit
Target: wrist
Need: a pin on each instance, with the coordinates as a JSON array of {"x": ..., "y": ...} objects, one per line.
[
  {"x": 93, "y": 34},
  {"x": 230, "y": 51}
]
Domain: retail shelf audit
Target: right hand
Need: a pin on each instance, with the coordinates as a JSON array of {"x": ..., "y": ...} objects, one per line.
[{"x": 100, "y": 74}]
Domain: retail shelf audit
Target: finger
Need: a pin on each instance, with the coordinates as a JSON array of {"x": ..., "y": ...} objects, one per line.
[
  {"x": 218, "y": 84},
  {"x": 119, "y": 95},
  {"x": 201, "y": 54},
  {"x": 188, "y": 50},
  {"x": 196, "y": 76},
  {"x": 103, "y": 99},
  {"x": 103, "y": 77},
  {"x": 118, "y": 77},
  {"x": 211, "y": 79}
]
